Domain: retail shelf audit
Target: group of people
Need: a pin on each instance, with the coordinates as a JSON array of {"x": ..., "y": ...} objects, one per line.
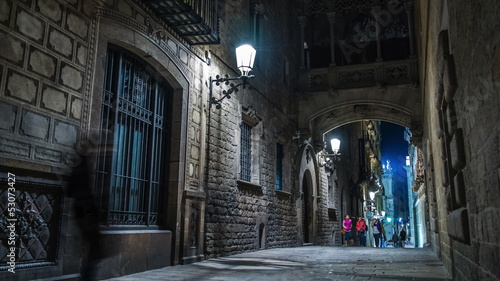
[{"x": 377, "y": 230}]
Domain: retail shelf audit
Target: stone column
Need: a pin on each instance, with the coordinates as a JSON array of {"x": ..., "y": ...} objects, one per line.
[
  {"x": 409, "y": 11},
  {"x": 331, "y": 20},
  {"x": 376, "y": 14},
  {"x": 302, "y": 23}
]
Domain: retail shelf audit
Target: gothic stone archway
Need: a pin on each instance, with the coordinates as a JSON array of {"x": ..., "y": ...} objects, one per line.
[
  {"x": 306, "y": 203},
  {"x": 322, "y": 111}
]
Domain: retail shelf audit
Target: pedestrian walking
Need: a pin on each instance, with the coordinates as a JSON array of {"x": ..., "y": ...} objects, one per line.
[
  {"x": 402, "y": 238},
  {"x": 395, "y": 240},
  {"x": 383, "y": 238},
  {"x": 347, "y": 226},
  {"x": 361, "y": 228},
  {"x": 377, "y": 232}
]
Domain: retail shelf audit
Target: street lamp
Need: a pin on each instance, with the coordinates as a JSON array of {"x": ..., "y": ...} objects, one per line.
[
  {"x": 372, "y": 195},
  {"x": 326, "y": 159},
  {"x": 245, "y": 57},
  {"x": 335, "y": 143}
]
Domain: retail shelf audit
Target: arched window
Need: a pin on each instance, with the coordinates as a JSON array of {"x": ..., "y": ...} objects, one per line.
[{"x": 134, "y": 135}]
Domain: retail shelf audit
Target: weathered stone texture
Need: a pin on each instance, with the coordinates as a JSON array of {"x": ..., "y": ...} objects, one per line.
[
  {"x": 71, "y": 77},
  {"x": 239, "y": 217},
  {"x": 34, "y": 125},
  {"x": 21, "y": 87},
  {"x": 5, "y": 12},
  {"x": 42, "y": 63},
  {"x": 60, "y": 43},
  {"x": 54, "y": 100},
  {"x": 77, "y": 25},
  {"x": 81, "y": 54},
  {"x": 14, "y": 148},
  {"x": 8, "y": 120},
  {"x": 76, "y": 108},
  {"x": 65, "y": 134},
  {"x": 31, "y": 26},
  {"x": 12, "y": 49},
  {"x": 466, "y": 60},
  {"x": 51, "y": 9}
]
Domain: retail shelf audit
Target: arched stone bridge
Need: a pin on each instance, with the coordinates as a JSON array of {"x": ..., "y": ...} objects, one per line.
[{"x": 334, "y": 96}]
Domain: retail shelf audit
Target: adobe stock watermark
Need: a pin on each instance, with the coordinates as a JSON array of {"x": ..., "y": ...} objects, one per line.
[
  {"x": 481, "y": 92},
  {"x": 11, "y": 223},
  {"x": 383, "y": 18}
]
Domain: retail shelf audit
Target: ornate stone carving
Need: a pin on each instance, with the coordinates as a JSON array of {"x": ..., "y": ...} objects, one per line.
[
  {"x": 155, "y": 30},
  {"x": 193, "y": 227},
  {"x": 37, "y": 221},
  {"x": 316, "y": 7},
  {"x": 363, "y": 110},
  {"x": 417, "y": 133}
]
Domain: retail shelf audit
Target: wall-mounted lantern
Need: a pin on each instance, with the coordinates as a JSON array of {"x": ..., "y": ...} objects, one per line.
[{"x": 245, "y": 57}]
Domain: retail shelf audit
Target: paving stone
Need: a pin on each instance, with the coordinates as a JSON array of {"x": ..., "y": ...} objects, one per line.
[{"x": 313, "y": 263}]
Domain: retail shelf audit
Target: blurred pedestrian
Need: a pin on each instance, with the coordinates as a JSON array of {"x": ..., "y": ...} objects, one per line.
[
  {"x": 347, "y": 226},
  {"x": 86, "y": 211},
  {"x": 361, "y": 227},
  {"x": 402, "y": 237},
  {"x": 383, "y": 238},
  {"x": 377, "y": 232},
  {"x": 395, "y": 240}
]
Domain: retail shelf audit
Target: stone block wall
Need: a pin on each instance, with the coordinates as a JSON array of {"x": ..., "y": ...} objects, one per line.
[
  {"x": 44, "y": 46},
  {"x": 43, "y": 57},
  {"x": 51, "y": 52},
  {"x": 246, "y": 216},
  {"x": 461, "y": 62}
]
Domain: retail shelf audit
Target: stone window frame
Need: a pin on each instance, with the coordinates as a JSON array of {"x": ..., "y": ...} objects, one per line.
[
  {"x": 249, "y": 117},
  {"x": 105, "y": 185},
  {"x": 286, "y": 169},
  {"x": 279, "y": 156}
]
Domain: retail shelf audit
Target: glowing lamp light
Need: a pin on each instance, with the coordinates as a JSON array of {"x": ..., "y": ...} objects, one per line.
[
  {"x": 335, "y": 145},
  {"x": 372, "y": 195},
  {"x": 245, "y": 57},
  {"x": 407, "y": 160},
  {"x": 389, "y": 219}
]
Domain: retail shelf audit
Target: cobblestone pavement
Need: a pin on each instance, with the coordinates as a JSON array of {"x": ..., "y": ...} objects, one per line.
[{"x": 313, "y": 263}]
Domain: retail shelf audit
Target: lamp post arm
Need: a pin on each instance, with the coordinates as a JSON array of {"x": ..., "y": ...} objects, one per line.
[
  {"x": 226, "y": 93},
  {"x": 224, "y": 79}
]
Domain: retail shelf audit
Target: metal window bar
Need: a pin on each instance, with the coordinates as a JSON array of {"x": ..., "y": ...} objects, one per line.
[
  {"x": 279, "y": 166},
  {"x": 130, "y": 177},
  {"x": 246, "y": 152}
]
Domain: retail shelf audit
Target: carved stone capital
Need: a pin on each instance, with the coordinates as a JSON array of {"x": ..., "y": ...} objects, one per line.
[{"x": 417, "y": 133}]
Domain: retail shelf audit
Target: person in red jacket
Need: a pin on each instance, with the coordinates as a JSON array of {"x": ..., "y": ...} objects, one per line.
[{"x": 361, "y": 228}]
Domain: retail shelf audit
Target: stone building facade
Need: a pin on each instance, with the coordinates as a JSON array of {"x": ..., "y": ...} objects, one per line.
[
  {"x": 177, "y": 180},
  {"x": 459, "y": 57},
  {"x": 112, "y": 76}
]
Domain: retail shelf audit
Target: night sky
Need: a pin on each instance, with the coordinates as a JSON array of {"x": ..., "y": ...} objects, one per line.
[{"x": 394, "y": 146}]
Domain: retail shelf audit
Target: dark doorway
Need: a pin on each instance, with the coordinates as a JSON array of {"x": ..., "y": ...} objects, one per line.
[{"x": 307, "y": 208}]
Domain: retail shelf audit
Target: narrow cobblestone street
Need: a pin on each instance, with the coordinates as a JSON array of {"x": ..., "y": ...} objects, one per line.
[{"x": 309, "y": 263}]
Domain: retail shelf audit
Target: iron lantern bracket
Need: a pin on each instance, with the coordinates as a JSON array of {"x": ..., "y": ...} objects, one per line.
[{"x": 233, "y": 88}]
